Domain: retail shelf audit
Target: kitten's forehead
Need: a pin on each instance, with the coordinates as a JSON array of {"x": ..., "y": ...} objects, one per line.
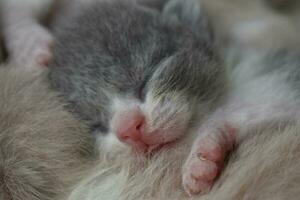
[
  {"x": 136, "y": 39},
  {"x": 117, "y": 47},
  {"x": 132, "y": 34}
]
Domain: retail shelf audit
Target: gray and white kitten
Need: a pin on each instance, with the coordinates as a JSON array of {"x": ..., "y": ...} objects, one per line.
[
  {"x": 141, "y": 73},
  {"x": 146, "y": 76},
  {"x": 124, "y": 66},
  {"x": 260, "y": 92}
]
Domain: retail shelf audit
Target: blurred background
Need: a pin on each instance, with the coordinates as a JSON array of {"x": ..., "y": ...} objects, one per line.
[{"x": 263, "y": 23}]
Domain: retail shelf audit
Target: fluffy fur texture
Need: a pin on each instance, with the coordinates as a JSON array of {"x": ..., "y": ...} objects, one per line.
[
  {"x": 42, "y": 146},
  {"x": 265, "y": 166}
]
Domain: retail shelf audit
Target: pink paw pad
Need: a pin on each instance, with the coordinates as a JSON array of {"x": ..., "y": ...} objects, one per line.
[{"x": 206, "y": 160}]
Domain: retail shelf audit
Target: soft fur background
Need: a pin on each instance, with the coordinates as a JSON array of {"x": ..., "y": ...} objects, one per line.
[
  {"x": 263, "y": 167},
  {"x": 256, "y": 23},
  {"x": 42, "y": 146}
]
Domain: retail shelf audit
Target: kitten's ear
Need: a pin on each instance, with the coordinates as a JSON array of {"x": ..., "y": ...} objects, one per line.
[{"x": 191, "y": 14}]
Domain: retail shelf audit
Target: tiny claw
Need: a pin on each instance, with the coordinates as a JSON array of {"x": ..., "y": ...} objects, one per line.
[
  {"x": 190, "y": 192},
  {"x": 201, "y": 157}
]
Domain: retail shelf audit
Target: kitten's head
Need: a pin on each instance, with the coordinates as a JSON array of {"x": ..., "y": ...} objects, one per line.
[
  {"x": 145, "y": 70},
  {"x": 183, "y": 87}
]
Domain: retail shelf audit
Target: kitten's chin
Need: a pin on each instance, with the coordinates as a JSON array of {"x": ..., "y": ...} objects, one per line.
[
  {"x": 162, "y": 147},
  {"x": 143, "y": 149},
  {"x": 150, "y": 142}
]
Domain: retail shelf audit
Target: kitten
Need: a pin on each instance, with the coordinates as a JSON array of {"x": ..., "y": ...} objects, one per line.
[
  {"x": 235, "y": 111},
  {"x": 43, "y": 148},
  {"x": 264, "y": 166},
  {"x": 148, "y": 76},
  {"x": 140, "y": 74}
]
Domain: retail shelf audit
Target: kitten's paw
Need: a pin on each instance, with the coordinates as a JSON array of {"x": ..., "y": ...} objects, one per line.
[
  {"x": 206, "y": 160},
  {"x": 30, "y": 45},
  {"x": 42, "y": 49}
]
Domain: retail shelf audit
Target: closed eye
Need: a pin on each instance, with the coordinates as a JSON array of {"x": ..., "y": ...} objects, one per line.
[
  {"x": 141, "y": 91},
  {"x": 97, "y": 128}
]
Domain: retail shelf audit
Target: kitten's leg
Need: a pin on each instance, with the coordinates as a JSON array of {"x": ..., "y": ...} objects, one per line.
[
  {"x": 206, "y": 159},
  {"x": 28, "y": 43},
  {"x": 217, "y": 137}
]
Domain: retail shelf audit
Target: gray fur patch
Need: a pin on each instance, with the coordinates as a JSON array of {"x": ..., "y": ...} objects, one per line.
[{"x": 116, "y": 48}]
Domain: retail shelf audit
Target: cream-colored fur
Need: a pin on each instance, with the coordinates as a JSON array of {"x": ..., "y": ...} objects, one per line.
[
  {"x": 264, "y": 167},
  {"x": 42, "y": 146}
]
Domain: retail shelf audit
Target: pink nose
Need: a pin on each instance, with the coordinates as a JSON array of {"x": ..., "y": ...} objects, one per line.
[{"x": 130, "y": 128}]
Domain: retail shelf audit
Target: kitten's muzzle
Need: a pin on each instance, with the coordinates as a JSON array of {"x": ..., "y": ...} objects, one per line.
[{"x": 130, "y": 129}]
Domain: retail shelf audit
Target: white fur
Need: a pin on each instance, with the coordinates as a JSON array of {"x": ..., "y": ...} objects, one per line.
[{"x": 170, "y": 116}]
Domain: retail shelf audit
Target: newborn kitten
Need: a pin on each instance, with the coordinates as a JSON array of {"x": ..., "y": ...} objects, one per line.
[
  {"x": 206, "y": 158},
  {"x": 42, "y": 146},
  {"x": 148, "y": 76},
  {"x": 139, "y": 73},
  {"x": 132, "y": 71}
]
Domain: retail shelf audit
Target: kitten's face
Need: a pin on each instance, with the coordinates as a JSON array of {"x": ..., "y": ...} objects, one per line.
[
  {"x": 177, "y": 93},
  {"x": 142, "y": 74}
]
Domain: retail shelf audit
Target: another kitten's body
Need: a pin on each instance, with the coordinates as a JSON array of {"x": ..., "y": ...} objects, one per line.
[{"x": 42, "y": 147}]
